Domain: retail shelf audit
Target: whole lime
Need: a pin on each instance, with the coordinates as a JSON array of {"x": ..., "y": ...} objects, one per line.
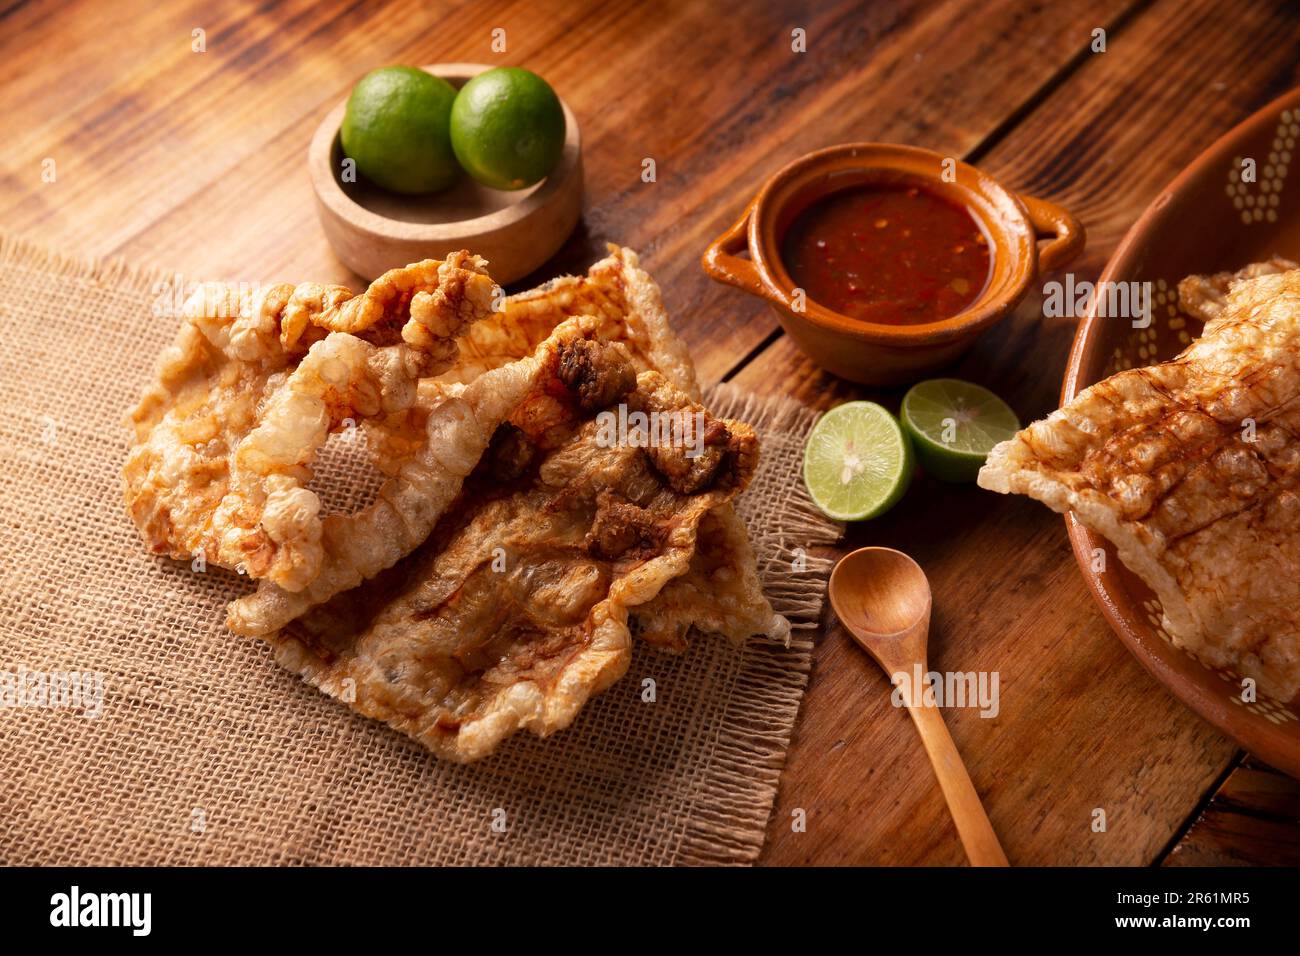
[
  {"x": 396, "y": 128},
  {"x": 507, "y": 128}
]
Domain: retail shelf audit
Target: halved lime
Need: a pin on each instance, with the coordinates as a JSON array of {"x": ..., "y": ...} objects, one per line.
[
  {"x": 954, "y": 425},
  {"x": 858, "y": 462}
]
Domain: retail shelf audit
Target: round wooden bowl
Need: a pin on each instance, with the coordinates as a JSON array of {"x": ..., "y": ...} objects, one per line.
[
  {"x": 373, "y": 230},
  {"x": 1207, "y": 220}
]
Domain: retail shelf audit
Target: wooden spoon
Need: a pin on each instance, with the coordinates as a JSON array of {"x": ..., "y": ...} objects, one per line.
[{"x": 883, "y": 598}]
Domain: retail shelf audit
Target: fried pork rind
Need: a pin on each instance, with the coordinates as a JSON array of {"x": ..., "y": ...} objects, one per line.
[
  {"x": 1203, "y": 297},
  {"x": 616, "y": 293},
  {"x": 721, "y": 593},
  {"x": 516, "y": 611},
  {"x": 616, "y": 302},
  {"x": 450, "y": 426},
  {"x": 252, "y": 388},
  {"x": 495, "y": 582},
  {"x": 1191, "y": 469}
]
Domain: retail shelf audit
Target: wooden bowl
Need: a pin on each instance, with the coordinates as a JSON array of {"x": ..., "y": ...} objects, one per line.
[
  {"x": 373, "y": 230},
  {"x": 1205, "y": 221},
  {"x": 870, "y": 352}
]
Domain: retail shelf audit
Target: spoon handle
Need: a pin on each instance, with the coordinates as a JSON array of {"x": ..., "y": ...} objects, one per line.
[{"x": 977, "y": 836}]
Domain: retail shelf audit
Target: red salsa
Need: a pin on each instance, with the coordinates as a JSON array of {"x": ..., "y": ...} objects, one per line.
[{"x": 892, "y": 254}]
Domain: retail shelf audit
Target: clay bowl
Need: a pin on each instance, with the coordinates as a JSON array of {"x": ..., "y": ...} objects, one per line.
[
  {"x": 373, "y": 230},
  {"x": 1207, "y": 220},
  {"x": 868, "y": 352}
]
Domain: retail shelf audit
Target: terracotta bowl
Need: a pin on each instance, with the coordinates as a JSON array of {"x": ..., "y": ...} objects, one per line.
[
  {"x": 869, "y": 352},
  {"x": 1207, "y": 220},
  {"x": 373, "y": 230}
]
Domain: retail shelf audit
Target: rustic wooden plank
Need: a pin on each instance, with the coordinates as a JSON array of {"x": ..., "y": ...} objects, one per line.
[
  {"x": 157, "y": 120},
  {"x": 1082, "y": 726},
  {"x": 1252, "y": 820},
  {"x": 716, "y": 101}
]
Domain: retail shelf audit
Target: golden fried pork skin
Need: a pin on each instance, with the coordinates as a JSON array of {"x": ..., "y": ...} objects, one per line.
[
  {"x": 515, "y": 612},
  {"x": 255, "y": 384},
  {"x": 616, "y": 302},
  {"x": 1192, "y": 469}
]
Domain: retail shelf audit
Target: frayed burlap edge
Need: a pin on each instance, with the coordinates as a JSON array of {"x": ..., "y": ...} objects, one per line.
[
  {"x": 17, "y": 252},
  {"x": 729, "y": 825}
]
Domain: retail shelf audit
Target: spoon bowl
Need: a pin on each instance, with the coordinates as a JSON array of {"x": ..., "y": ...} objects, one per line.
[
  {"x": 883, "y": 598},
  {"x": 880, "y": 591}
]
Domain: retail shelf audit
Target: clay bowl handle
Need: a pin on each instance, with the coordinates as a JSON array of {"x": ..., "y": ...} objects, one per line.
[
  {"x": 1051, "y": 221},
  {"x": 721, "y": 262}
]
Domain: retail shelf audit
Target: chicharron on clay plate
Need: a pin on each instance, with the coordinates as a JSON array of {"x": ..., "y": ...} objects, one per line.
[{"x": 1192, "y": 469}]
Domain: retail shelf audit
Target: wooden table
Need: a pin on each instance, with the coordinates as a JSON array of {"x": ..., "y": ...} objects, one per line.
[{"x": 195, "y": 161}]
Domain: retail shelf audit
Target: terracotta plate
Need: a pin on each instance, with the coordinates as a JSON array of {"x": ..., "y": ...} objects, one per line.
[{"x": 1208, "y": 220}]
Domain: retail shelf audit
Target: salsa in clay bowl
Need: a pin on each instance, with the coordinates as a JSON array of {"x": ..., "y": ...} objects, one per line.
[
  {"x": 885, "y": 262},
  {"x": 897, "y": 255}
]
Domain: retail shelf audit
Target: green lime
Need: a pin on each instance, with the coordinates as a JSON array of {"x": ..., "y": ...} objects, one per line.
[
  {"x": 954, "y": 425},
  {"x": 397, "y": 129},
  {"x": 858, "y": 461},
  {"x": 507, "y": 128}
]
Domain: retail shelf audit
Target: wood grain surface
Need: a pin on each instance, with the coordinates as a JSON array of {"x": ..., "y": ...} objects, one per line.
[
  {"x": 1082, "y": 726},
  {"x": 1253, "y": 819},
  {"x": 196, "y": 162}
]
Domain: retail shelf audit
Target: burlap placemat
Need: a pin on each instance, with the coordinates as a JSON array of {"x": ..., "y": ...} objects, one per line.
[{"x": 203, "y": 750}]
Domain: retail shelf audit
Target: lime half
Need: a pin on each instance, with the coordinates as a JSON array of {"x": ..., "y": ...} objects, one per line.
[
  {"x": 954, "y": 425},
  {"x": 858, "y": 462}
]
